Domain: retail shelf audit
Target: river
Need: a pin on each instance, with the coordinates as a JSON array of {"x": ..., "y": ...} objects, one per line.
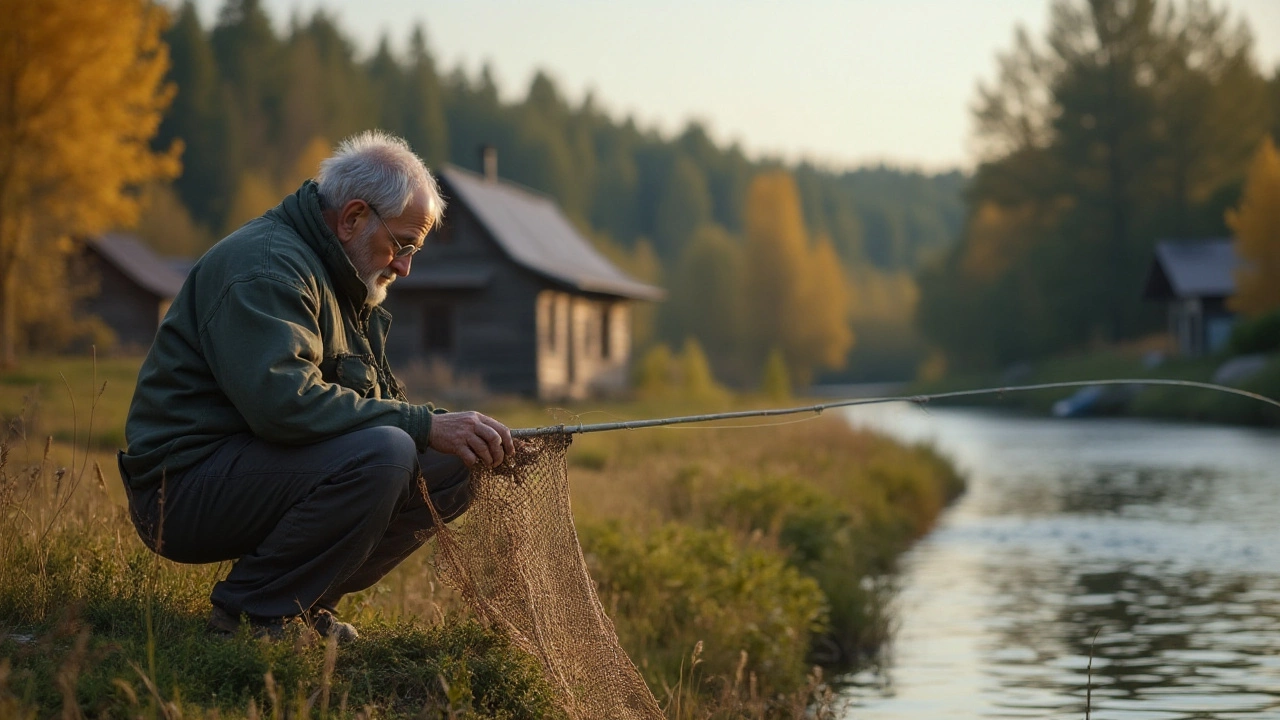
[{"x": 1155, "y": 547}]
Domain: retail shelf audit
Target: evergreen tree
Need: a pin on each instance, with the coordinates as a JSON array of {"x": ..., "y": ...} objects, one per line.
[
  {"x": 421, "y": 116},
  {"x": 194, "y": 118},
  {"x": 683, "y": 206},
  {"x": 705, "y": 301},
  {"x": 1132, "y": 122}
]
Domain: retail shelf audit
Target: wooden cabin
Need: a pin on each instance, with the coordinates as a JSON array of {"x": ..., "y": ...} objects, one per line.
[
  {"x": 1194, "y": 278},
  {"x": 135, "y": 287},
  {"x": 507, "y": 290}
]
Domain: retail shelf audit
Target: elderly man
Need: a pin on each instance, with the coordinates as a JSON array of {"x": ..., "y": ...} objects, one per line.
[{"x": 267, "y": 427}]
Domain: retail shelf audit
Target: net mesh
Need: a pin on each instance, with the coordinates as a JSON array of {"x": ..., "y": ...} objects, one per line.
[{"x": 515, "y": 559}]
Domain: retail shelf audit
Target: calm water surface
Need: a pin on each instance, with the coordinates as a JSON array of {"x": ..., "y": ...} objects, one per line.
[{"x": 1162, "y": 540}]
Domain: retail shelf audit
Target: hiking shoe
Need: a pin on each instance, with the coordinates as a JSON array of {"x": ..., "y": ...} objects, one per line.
[
  {"x": 222, "y": 622},
  {"x": 326, "y": 625}
]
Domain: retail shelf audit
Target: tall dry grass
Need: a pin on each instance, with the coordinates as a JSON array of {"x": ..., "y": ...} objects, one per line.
[{"x": 733, "y": 562}]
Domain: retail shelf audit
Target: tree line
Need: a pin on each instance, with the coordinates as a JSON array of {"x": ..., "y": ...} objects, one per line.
[
  {"x": 1130, "y": 121},
  {"x": 255, "y": 109}
]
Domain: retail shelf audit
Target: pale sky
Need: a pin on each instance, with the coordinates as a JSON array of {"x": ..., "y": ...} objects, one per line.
[{"x": 839, "y": 82}]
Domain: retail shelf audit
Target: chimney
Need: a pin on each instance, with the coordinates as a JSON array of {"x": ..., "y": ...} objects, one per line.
[{"x": 489, "y": 162}]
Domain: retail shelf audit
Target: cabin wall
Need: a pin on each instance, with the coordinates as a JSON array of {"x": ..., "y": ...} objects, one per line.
[
  {"x": 519, "y": 333},
  {"x": 584, "y": 345},
  {"x": 484, "y": 334},
  {"x": 131, "y": 312}
]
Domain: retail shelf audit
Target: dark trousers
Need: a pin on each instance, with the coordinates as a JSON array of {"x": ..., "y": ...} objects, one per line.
[{"x": 305, "y": 524}]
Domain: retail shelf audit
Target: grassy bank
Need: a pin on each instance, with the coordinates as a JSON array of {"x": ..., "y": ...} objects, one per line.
[{"x": 731, "y": 561}]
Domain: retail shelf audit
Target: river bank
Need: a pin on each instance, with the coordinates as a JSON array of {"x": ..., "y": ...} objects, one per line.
[{"x": 761, "y": 546}]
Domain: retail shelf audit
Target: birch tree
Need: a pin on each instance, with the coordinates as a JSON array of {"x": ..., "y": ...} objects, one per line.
[{"x": 81, "y": 95}]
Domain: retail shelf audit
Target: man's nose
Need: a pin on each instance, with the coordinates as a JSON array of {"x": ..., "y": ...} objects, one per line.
[{"x": 401, "y": 265}]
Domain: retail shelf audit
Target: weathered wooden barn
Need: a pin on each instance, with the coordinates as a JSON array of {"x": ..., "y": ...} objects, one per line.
[
  {"x": 1194, "y": 278},
  {"x": 135, "y": 287},
  {"x": 508, "y": 291}
]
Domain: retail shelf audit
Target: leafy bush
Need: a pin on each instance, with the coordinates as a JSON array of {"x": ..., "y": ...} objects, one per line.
[
  {"x": 775, "y": 382},
  {"x": 826, "y": 539},
  {"x": 677, "y": 585},
  {"x": 1256, "y": 335}
]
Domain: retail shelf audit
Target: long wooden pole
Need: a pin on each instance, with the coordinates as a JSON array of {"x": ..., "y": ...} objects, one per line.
[{"x": 567, "y": 429}]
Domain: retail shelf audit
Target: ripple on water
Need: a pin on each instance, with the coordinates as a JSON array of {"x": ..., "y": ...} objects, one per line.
[
  {"x": 1136, "y": 714},
  {"x": 1195, "y": 658},
  {"x": 1210, "y": 701}
]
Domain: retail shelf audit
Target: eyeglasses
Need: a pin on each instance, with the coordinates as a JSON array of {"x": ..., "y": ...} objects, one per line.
[{"x": 402, "y": 250}]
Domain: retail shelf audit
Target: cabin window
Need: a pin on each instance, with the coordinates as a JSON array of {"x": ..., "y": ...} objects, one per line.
[
  {"x": 438, "y": 328},
  {"x": 606, "y": 331},
  {"x": 550, "y": 328}
]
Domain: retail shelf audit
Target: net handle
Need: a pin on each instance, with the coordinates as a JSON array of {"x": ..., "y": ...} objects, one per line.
[{"x": 567, "y": 429}]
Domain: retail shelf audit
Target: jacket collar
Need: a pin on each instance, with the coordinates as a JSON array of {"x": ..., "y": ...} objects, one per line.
[{"x": 301, "y": 211}]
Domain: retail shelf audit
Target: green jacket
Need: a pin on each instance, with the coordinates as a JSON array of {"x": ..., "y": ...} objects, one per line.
[{"x": 269, "y": 335}]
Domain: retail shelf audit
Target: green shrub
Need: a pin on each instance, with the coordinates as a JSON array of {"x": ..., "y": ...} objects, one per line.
[
  {"x": 1256, "y": 335},
  {"x": 677, "y": 585},
  {"x": 825, "y": 541},
  {"x": 776, "y": 380},
  {"x": 653, "y": 372},
  {"x": 696, "y": 380}
]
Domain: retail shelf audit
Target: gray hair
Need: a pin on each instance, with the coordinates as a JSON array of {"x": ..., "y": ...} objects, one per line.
[{"x": 381, "y": 169}]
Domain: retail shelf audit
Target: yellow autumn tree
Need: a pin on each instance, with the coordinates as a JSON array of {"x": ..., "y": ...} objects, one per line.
[
  {"x": 796, "y": 295},
  {"x": 825, "y": 336},
  {"x": 1256, "y": 225},
  {"x": 82, "y": 96}
]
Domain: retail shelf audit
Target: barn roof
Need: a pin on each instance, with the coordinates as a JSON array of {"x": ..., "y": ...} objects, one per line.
[
  {"x": 139, "y": 263},
  {"x": 534, "y": 233},
  {"x": 1192, "y": 269}
]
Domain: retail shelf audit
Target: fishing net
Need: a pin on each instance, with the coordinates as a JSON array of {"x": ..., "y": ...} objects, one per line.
[{"x": 515, "y": 559}]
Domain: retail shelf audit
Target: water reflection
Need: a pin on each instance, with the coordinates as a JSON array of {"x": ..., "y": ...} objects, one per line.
[{"x": 1129, "y": 565}]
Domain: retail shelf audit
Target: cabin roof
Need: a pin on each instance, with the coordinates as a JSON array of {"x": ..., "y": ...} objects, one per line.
[
  {"x": 533, "y": 232},
  {"x": 1185, "y": 269},
  {"x": 139, "y": 263}
]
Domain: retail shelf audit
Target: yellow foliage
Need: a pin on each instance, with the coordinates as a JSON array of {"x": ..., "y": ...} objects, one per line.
[
  {"x": 797, "y": 295},
  {"x": 996, "y": 238},
  {"x": 879, "y": 295},
  {"x": 777, "y": 250},
  {"x": 826, "y": 336},
  {"x": 1256, "y": 224},
  {"x": 933, "y": 368},
  {"x": 83, "y": 96}
]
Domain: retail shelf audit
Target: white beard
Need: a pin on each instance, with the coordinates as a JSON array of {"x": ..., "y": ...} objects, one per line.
[
  {"x": 377, "y": 283},
  {"x": 376, "y": 280}
]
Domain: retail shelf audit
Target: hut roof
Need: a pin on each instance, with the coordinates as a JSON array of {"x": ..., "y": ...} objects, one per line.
[{"x": 535, "y": 234}]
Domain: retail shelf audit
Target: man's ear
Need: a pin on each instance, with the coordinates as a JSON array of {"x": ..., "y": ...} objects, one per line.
[{"x": 349, "y": 219}]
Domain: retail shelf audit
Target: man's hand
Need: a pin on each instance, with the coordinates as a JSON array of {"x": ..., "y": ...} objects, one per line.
[{"x": 472, "y": 437}]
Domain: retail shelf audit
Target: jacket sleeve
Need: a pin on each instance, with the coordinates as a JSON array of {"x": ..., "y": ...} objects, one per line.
[{"x": 262, "y": 342}]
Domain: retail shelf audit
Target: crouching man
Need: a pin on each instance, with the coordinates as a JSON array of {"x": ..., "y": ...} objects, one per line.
[{"x": 267, "y": 427}]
